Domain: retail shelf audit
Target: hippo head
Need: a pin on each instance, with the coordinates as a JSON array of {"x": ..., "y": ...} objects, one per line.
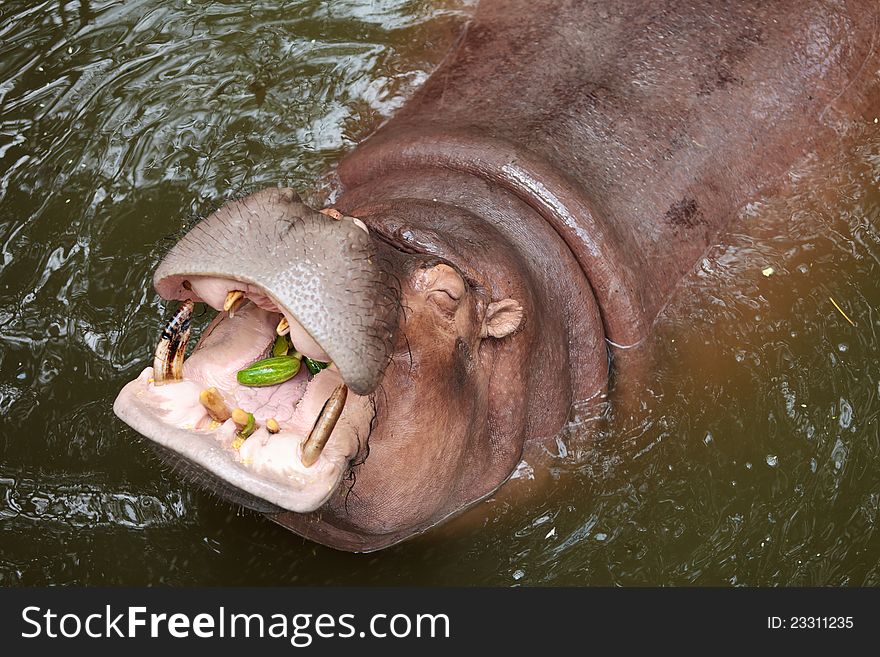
[{"x": 397, "y": 433}]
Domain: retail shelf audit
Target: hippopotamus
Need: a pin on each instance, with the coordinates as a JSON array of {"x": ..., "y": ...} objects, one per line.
[{"x": 490, "y": 254}]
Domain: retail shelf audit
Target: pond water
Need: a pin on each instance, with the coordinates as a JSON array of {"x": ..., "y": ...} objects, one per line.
[{"x": 745, "y": 453}]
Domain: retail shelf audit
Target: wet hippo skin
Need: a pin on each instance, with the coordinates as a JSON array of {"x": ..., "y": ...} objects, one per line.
[
  {"x": 636, "y": 129},
  {"x": 528, "y": 213}
]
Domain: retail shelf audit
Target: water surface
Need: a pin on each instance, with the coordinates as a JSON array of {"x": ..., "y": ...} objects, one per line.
[{"x": 745, "y": 454}]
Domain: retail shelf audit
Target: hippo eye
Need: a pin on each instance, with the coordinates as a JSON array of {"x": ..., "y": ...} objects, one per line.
[
  {"x": 445, "y": 301},
  {"x": 443, "y": 285}
]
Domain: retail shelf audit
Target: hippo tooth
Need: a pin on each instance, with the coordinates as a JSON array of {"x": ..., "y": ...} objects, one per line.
[
  {"x": 324, "y": 425},
  {"x": 214, "y": 404},
  {"x": 168, "y": 358},
  {"x": 233, "y": 297},
  {"x": 283, "y": 327},
  {"x": 240, "y": 417}
]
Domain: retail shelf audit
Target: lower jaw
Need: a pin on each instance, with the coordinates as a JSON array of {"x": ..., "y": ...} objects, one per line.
[
  {"x": 338, "y": 527},
  {"x": 294, "y": 487},
  {"x": 337, "y": 534},
  {"x": 204, "y": 478}
]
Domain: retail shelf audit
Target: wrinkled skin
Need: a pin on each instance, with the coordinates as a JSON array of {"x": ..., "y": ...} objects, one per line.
[{"x": 531, "y": 207}]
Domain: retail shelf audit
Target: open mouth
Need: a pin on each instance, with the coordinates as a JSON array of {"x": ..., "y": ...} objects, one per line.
[{"x": 257, "y": 403}]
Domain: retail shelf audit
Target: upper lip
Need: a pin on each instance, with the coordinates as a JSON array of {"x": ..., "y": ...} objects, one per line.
[{"x": 316, "y": 271}]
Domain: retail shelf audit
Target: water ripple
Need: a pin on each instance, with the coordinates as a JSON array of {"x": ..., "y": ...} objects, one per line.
[{"x": 744, "y": 454}]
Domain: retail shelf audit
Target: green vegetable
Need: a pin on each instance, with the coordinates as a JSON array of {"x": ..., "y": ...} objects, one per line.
[
  {"x": 314, "y": 366},
  {"x": 281, "y": 346},
  {"x": 249, "y": 427},
  {"x": 269, "y": 371}
]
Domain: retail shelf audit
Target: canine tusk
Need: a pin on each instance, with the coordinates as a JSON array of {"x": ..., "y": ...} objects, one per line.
[
  {"x": 283, "y": 327},
  {"x": 324, "y": 426},
  {"x": 169, "y": 354},
  {"x": 233, "y": 297}
]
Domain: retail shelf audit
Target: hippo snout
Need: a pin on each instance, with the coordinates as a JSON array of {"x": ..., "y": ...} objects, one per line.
[
  {"x": 272, "y": 400},
  {"x": 323, "y": 274}
]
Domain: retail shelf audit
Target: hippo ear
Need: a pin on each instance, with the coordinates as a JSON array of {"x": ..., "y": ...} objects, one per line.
[{"x": 502, "y": 318}]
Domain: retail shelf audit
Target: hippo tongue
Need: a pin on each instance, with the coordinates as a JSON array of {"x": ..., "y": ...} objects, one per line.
[{"x": 325, "y": 276}]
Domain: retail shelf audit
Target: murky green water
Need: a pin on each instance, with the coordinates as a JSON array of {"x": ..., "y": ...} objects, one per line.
[{"x": 748, "y": 452}]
